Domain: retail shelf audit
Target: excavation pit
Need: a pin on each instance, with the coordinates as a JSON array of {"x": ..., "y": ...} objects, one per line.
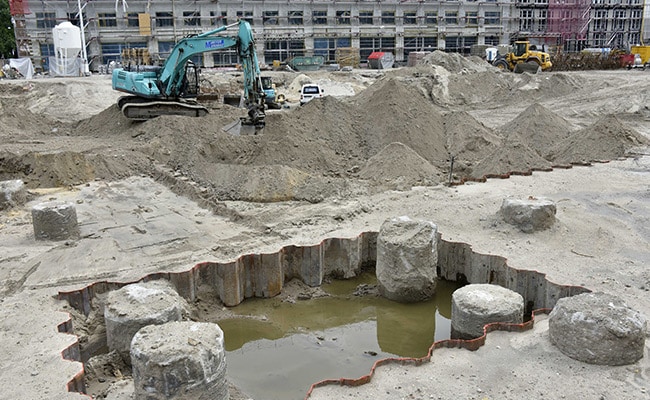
[
  {"x": 602, "y": 236},
  {"x": 204, "y": 286}
]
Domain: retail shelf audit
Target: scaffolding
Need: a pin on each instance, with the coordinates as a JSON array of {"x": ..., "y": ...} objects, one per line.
[{"x": 568, "y": 21}]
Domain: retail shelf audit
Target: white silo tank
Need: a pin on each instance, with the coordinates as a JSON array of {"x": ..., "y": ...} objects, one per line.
[{"x": 67, "y": 40}]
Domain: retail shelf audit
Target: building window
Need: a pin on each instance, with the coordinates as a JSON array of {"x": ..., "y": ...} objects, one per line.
[
  {"x": 343, "y": 17},
  {"x": 492, "y": 40},
  {"x": 620, "y": 18},
  {"x": 296, "y": 17},
  {"x": 283, "y": 49},
  {"x": 45, "y": 20},
  {"x": 270, "y": 18},
  {"x": 365, "y": 17},
  {"x": 326, "y": 47},
  {"x": 525, "y": 20},
  {"x": 635, "y": 21},
  {"x": 451, "y": 17},
  {"x": 600, "y": 21},
  {"x": 191, "y": 18},
  {"x": 431, "y": 18},
  {"x": 368, "y": 45},
  {"x": 419, "y": 44},
  {"x": 132, "y": 20},
  {"x": 410, "y": 18},
  {"x": 106, "y": 19},
  {"x": 164, "y": 19},
  {"x": 218, "y": 19},
  {"x": 493, "y": 18},
  {"x": 472, "y": 18},
  {"x": 319, "y": 17},
  {"x": 246, "y": 16},
  {"x": 388, "y": 17},
  {"x": 74, "y": 18}
]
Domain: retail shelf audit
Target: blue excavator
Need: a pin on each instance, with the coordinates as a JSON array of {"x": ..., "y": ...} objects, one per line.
[{"x": 172, "y": 89}]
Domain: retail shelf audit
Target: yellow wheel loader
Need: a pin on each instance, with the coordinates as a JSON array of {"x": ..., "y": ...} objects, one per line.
[{"x": 524, "y": 57}]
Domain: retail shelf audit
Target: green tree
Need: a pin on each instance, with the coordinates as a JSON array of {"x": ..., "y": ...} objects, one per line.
[{"x": 7, "y": 37}]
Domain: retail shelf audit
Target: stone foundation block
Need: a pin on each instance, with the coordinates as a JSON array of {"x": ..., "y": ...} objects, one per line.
[
  {"x": 179, "y": 361},
  {"x": 474, "y": 306},
  {"x": 137, "y": 305},
  {"x": 55, "y": 221},
  {"x": 12, "y": 194},
  {"x": 407, "y": 254},
  {"x": 529, "y": 215},
  {"x": 597, "y": 328}
]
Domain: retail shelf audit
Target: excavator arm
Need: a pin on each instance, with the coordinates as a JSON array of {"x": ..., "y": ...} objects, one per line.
[{"x": 172, "y": 88}]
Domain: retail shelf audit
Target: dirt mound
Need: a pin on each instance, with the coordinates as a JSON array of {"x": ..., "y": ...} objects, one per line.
[
  {"x": 539, "y": 128},
  {"x": 389, "y": 111},
  {"x": 47, "y": 170},
  {"x": 17, "y": 122},
  {"x": 454, "y": 62},
  {"x": 110, "y": 121},
  {"x": 397, "y": 165},
  {"x": 513, "y": 156},
  {"x": 467, "y": 138},
  {"x": 607, "y": 139}
]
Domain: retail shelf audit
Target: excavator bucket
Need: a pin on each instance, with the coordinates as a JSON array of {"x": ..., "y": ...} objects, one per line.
[
  {"x": 253, "y": 124},
  {"x": 531, "y": 67},
  {"x": 240, "y": 128}
]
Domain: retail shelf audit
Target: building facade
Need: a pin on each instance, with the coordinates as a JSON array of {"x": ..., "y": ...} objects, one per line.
[{"x": 295, "y": 28}]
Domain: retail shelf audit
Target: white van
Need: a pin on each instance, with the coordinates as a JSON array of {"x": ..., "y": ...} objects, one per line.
[{"x": 310, "y": 91}]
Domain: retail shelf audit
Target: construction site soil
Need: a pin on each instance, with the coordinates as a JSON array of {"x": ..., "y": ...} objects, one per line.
[{"x": 380, "y": 144}]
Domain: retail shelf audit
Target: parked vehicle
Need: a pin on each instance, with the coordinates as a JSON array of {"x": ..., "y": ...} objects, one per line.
[{"x": 310, "y": 91}]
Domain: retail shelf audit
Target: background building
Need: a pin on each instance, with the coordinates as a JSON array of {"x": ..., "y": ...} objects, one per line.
[{"x": 293, "y": 28}]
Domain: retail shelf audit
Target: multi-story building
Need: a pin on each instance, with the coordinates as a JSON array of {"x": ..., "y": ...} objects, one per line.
[{"x": 300, "y": 27}]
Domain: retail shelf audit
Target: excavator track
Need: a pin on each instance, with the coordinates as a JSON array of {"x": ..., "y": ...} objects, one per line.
[{"x": 139, "y": 109}]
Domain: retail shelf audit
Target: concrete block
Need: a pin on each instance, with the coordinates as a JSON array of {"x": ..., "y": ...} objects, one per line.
[
  {"x": 530, "y": 215},
  {"x": 597, "y": 328},
  {"x": 406, "y": 259},
  {"x": 137, "y": 305},
  {"x": 12, "y": 194},
  {"x": 179, "y": 361},
  {"x": 55, "y": 221},
  {"x": 474, "y": 306}
]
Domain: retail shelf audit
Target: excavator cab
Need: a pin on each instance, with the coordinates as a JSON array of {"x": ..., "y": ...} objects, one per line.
[{"x": 190, "y": 87}]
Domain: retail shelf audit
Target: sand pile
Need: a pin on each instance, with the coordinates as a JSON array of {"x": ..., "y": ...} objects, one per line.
[
  {"x": 607, "y": 139},
  {"x": 513, "y": 156},
  {"x": 539, "y": 128},
  {"x": 455, "y": 62},
  {"x": 391, "y": 135},
  {"x": 389, "y": 111},
  {"x": 467, "y": 138},
  {"x": 398, "y": 166}
]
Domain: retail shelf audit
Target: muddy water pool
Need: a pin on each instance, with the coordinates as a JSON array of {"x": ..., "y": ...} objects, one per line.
[{"x": 290, "y": 345}]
